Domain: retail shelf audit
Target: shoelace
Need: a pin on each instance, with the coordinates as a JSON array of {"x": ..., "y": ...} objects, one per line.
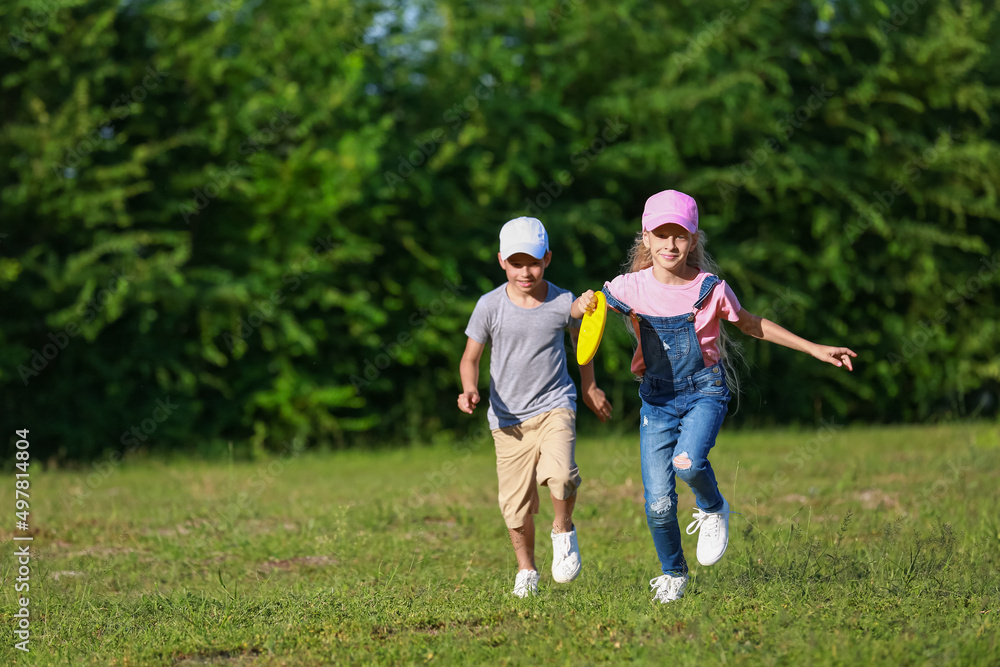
[
  {"x": 702, "y": 522},
  {"x": 563, "y": 544}
]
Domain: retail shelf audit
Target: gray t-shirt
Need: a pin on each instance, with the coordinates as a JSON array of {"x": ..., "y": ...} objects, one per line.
[{"x": 528, "y": 374}]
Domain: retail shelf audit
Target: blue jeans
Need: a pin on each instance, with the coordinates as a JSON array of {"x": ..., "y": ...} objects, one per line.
[{"x": 678, "y": 426}]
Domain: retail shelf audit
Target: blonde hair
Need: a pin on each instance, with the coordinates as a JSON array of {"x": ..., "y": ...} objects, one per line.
[{"x": 730, "y": 351}]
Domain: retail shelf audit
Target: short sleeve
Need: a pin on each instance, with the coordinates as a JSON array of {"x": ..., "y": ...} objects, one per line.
[
  {"x": 570, "y": 322},
  {"x": 729, "y": 305},
  {"x": 619, "y": 288},
  {"x": 479, "y": 324}
]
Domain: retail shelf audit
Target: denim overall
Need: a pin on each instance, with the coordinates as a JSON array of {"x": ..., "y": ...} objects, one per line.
[{"x": 683, "y": 404}]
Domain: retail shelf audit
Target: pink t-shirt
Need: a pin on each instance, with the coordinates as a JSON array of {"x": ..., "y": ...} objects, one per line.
[{"x": 648, "y": 296}]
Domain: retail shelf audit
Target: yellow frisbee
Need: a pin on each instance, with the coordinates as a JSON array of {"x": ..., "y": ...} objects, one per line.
[{"x": 591, "y": 330}]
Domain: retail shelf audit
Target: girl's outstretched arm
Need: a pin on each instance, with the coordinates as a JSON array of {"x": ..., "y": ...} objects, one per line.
[{"x": 765, "y": 329}]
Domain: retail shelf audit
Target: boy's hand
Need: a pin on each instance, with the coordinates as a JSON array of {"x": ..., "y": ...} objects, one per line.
[
  {"x": 586, "y": 303},
  {"x": 597, "y": 402},
  {"x": 468, "y": 400},
  {"x": 838, "y": 356}
]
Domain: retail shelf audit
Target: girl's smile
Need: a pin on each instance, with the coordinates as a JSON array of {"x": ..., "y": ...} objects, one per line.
[{"x": 670, "y": 246}]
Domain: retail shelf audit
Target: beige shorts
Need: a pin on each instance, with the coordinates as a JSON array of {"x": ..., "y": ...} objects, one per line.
[{"x": 538, "y": 451}]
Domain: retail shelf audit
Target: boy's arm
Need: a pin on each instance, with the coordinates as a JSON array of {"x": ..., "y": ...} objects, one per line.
[
  {"x": 593, "y": 397},
  {"x": 759, "y": 327},
  {"x": 469, "y": 370}
]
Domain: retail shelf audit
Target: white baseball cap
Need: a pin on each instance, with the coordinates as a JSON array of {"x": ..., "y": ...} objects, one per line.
[{"x": 526, "y": 235}]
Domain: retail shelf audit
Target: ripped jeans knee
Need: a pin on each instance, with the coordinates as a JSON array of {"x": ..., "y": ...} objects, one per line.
[
  {"x": 663, "y": 509},
  {"x": 687, "y": 469}
]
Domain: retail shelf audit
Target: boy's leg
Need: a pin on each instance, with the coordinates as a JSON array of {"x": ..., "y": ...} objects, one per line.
[
  {"x": 563, "y": 521},
  {"x": 557, "y": 469},
  {"x": 523, "y": 541},
  {"x": 517, "y": 489}
]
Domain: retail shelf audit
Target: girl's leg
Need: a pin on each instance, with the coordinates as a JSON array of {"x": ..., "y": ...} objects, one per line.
[
  {"x": 523, "y": 541},
  {"x": 657, "y": 437},
  {"x": 699, "y": 428}
]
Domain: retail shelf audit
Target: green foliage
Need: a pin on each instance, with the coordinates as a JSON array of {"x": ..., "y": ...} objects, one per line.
[
  {"x": 302, "y": 201},
  {"x": 214, "y": 193}
]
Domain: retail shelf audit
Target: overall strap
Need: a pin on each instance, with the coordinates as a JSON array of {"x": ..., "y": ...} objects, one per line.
[
  {"x": 710, "y": 281},
  {"x": 616, "y": 304}
]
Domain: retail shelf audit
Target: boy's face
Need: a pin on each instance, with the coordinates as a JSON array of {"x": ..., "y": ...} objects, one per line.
[{"x": 524, "y": 272}]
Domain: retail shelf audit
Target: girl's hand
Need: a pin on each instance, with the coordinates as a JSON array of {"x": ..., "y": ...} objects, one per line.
[
  {"x": 468, "y": 400},
  {"x": 597, "y": 402},
  {"x": 586, "y": 303},
  {"x": 838, "y": 356}
]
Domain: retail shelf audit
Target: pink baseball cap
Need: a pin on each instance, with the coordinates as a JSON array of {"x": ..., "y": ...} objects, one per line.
[{"x": 670, "y": 206}]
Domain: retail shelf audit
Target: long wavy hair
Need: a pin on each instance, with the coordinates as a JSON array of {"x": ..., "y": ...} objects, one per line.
[{"x": 730, "y": 351}]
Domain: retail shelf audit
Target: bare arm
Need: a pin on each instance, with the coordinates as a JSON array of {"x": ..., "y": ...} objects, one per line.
[
  {"x": 765, "y": 329},
  {"x": 587, "y": 370},
  {"x": 469, "y": 371},
  {"x": 586, "y": 303},
  {"x": 593, "y": 397}
]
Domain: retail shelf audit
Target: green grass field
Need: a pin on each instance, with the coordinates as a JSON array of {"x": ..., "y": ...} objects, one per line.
[{"x": 878, "y": 546}]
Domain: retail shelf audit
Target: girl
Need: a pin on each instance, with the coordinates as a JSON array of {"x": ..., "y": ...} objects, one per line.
[{"x": 675, "y": 302}]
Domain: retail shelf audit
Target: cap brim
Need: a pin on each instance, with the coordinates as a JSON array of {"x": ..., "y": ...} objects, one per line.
[
  {"x": 667, "y": 219},
  {"x": 534, "y": 249}
]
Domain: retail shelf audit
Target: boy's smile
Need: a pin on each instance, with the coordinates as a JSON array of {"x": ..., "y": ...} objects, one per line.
[{"x": 525, "y": 276}]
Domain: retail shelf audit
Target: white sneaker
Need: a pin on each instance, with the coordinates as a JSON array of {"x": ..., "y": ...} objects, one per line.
[
  {"x": 668, "y": 588},
  {"x": 566, "y": 562},
  {"x": 526, "y": 583},
  {"x": 714, "y": 537}
]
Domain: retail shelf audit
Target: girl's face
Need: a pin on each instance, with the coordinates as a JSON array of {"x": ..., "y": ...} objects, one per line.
[
  {"x": 670, "y": 245},
  {"x": 524, "y": 272}
]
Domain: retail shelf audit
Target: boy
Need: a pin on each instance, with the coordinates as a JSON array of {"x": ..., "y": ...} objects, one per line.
[{"x": 532, "y": 411}]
